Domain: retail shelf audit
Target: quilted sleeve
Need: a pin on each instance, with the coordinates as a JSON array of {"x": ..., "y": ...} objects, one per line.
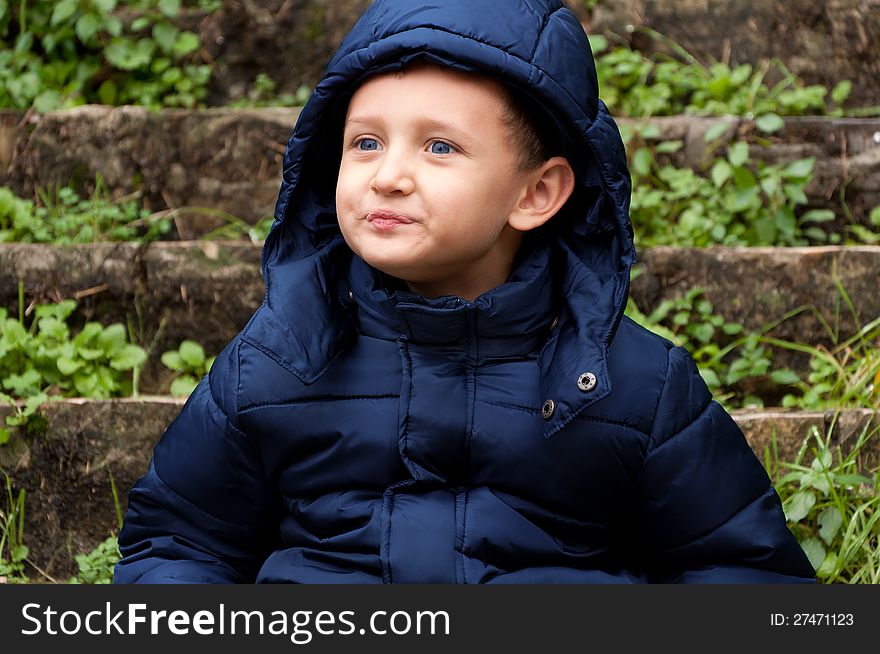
[
  {"x": 707, "y": 510},
  {"x": 203, "y": 512}
]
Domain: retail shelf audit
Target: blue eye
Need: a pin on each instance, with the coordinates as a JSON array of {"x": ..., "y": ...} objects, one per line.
[
  {"x": 371, "y": 144},
  {"x": 445, "y": 148}
]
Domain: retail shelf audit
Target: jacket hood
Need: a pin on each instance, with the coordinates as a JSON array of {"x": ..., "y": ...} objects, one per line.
[{"x": 538, "y": 46}]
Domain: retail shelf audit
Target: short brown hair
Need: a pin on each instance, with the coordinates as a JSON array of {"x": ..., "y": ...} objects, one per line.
[{"x": 527, "y": 126}]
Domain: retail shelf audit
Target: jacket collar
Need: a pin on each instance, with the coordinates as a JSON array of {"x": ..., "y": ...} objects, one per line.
[
  {"x": 550, "y": 285},
  {"x": 512, "y": 319}
]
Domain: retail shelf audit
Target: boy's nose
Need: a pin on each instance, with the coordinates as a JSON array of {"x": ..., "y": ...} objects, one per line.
[{"x": 392, "y": 177}]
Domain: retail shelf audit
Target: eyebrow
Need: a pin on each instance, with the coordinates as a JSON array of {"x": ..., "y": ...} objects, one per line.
[{"x": 428, "y": 123}]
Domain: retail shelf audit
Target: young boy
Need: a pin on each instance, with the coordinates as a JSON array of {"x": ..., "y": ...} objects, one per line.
[{"x": 440, "y": 386}]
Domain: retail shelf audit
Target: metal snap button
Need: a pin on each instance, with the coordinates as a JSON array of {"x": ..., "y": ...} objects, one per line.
[
  {"x": 350, "y": 296},
  {"x": 587, "y": 381},
  {"x": 548, "y": 409}
]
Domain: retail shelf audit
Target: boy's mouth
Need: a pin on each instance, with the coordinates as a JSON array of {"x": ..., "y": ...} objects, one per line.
[{"x": 386, "y": 219}]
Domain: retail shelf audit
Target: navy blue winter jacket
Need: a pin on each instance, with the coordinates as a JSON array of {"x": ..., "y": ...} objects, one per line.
[{"x": 355, "y": 432}]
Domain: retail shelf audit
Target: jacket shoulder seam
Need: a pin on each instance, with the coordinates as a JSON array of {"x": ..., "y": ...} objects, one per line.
[
  {"x": 231, "y": 418},
  {"x": 651, "y": 445},
  {"x": 656, "y": 446},
  {"x": 652, "y": 442},
  {"x": 700, "y": 536},
  {"x": 610, "y": 421},
  {"x": 235, "y": 525}
]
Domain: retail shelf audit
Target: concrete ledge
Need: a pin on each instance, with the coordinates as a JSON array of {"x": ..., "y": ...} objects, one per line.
[
  {"x": 64, "y": 462},
  {"x": 167, "y": 291},
  {"x": 820, "y": 42},
  {"x": 226, "y": 159},
  {"x": 209, "y": 290},
  {"x": 756, "y": 286},
  {"x": 846, "y": 150},
  {"x": 230, "y": 159}
]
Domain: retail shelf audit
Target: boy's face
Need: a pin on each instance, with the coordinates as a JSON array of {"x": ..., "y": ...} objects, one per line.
[{"x": 428, "y": 179}]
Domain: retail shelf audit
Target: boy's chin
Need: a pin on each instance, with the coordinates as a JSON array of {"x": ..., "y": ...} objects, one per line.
[{"x": 391, "y": 268}]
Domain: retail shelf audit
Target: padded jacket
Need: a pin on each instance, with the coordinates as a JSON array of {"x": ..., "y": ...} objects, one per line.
[{"x": 357, "y": 432}]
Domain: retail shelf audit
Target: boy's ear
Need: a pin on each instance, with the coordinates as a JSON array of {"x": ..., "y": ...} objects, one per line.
[{"x": 545, "y": 191}]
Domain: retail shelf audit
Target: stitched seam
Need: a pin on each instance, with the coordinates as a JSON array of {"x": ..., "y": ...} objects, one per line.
[
  {"x": 616, "y": 423},
  {"x": 290, "y": 367},
  {"x": 409, "y": 372},
  {"x": 507, "y": 405},
  {"x": 544, "y": 24},
  {"x": 193, "y": 578},
  {"x": 464, "y": 513},
  {"x": 660, "y": 394},
  {"x": 235, "y": 525},
  {"x": 238, "y": 387},
  {"x": 535, "y": 412},
  {"x": 238, "y": 432},
  {"x": 660, "y": 339},
  {"x": 269, "y": 353},
  {"x": 648, "y": 449},
  {"x": 471, "y": 391},
  {"x": 388, "y": 536},
  {"x": 683, "y": 429},
  {"x": 666, "y": 381},
  {"x": 229, "y": 424},
  {"x": 316, "y": 400},
  {"x": 752, "y": 501}
]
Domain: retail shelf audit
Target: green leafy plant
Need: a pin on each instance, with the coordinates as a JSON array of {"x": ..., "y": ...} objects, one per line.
[
  {"x": 55, "y": 55},
  {"x": 233, "y": 227},
  {"x": 636, "y": 85},
  {"x": 833, "y": 507},
  {"x": 690, "y": 321},
  {"x": 45, "y": 359},
  {"x": 236, "y": 228},
  {"x": 846, "y": 374},
  {"x": 13, "y": 551},
  {"x": 739, "y": 366},
  {"x": 26, "y": 414},
  {"x": 63, "y": 217},
  {"x": 96, "y": 567},
  {"x": 861, "y": 232},
  {"x": 263, "y": 93},
  {"x": 189, "y": 363},
  {"x": 736, "y": 200}
]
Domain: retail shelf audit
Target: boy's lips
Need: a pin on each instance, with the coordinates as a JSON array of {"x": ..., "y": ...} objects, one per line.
[{"x": 385, "y": 219}]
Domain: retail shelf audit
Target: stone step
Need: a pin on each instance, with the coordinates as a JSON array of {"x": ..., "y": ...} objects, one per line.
[
  {"x": 207, "y": 290},
  {"x": 230, "y": 159},
  {"x": 169, "y": 291},
  {"x": 846, "y": 172},
  {"x": 820, "y": 42},
  {"x": 225, "y": 159},
  {"x": 756, "y": 286},
  {"x": 66, "y": 460}
]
